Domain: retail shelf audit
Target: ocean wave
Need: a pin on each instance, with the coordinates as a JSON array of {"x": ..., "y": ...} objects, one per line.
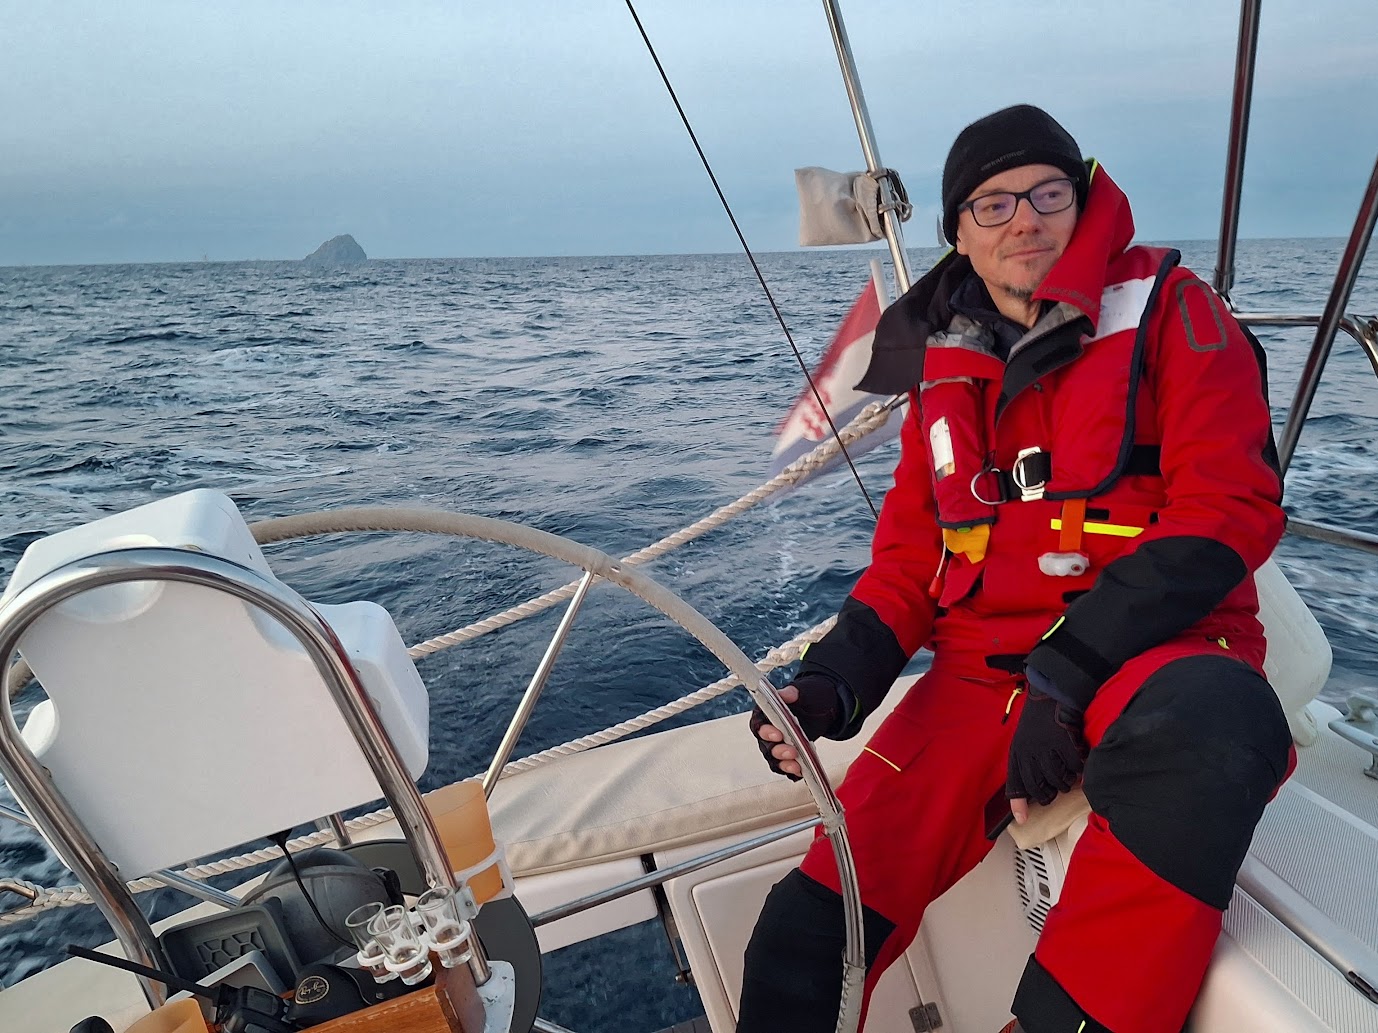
[{"x": 118, "y": 337}]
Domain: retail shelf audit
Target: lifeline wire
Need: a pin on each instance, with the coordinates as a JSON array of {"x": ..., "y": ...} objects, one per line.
[{"x": 693, "y": 137}]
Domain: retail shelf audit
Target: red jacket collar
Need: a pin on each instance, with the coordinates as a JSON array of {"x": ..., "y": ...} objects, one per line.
[{"x": 1103, "y": 231}]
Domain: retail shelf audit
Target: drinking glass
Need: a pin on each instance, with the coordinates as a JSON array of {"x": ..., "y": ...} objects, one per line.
[
  {"x": 404, "y": 952},
  {"x": 371, "y": 956},
  {"x": 445, "y": 931}
]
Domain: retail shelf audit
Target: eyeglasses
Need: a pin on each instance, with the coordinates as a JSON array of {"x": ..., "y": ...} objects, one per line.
[{"x": 1046, "y": 198}]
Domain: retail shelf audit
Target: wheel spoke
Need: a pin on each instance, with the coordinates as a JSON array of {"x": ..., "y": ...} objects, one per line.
[{"x": 533, "y": 690}]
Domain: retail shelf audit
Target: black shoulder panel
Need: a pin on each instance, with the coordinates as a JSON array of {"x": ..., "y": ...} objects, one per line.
[
  {"x": 902, "y": 333},
  {"x": 863, "y": 652}
]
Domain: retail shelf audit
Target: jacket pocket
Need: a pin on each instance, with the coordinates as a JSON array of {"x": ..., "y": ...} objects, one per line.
[{"x": 896, "y": 744}]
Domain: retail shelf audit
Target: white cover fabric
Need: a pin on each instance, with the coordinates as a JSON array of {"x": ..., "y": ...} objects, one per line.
[
  {"x": 1299, "y": 655},
  {"x": 837, "y": 207},
  {"x": 637, "y": 796},
  {"x": 178, "y": 714}
]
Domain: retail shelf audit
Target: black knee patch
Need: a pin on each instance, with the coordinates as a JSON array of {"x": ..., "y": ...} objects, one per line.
[
  {"x": 1182, "y": 776},
  {"x": 792, "y": 982},
  {"x": 1042, "y": 1006}
]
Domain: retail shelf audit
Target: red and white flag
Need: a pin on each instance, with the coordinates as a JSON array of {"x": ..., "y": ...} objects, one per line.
[{"x": 842, "y": 365}]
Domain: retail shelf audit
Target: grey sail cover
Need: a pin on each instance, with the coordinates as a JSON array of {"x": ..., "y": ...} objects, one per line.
[{"x": 839, "y": 207}]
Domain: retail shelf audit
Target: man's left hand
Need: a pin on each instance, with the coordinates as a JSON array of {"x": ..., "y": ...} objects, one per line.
[{"x": 1047, "y": 755}]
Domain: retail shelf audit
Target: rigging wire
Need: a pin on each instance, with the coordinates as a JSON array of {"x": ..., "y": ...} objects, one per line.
[{"x": 770, "y": 297}]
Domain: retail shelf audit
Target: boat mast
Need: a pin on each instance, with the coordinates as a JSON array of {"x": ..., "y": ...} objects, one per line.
[
  {"x": 890, "y": 222},
  {"x": 1245, "y": 56}
]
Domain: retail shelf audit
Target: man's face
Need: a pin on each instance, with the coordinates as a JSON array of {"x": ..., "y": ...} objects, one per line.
[{"x": 1014, "y": 258}]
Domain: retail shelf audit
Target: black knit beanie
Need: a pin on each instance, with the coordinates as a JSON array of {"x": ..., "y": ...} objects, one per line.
[{"x": 1021, "y": 135}]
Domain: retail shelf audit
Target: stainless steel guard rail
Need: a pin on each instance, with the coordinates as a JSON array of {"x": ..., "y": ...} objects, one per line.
[
  {"x": 1333, "y": 319},
  {"x": 33, "y": 786}
]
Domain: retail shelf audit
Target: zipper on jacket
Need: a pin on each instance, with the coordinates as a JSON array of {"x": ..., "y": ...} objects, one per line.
[{"x": 1009, "y": 706}]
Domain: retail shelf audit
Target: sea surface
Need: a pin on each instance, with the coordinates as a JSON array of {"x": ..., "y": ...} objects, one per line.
[{"x": 611, "y": 400}]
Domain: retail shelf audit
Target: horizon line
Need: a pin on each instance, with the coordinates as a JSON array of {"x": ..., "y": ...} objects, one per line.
[{"x": 646, "y": 254}]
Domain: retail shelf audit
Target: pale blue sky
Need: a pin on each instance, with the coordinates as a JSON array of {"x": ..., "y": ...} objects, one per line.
[{"x": 165, "y": 131}]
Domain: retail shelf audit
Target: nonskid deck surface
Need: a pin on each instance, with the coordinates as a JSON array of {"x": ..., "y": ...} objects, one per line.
[{"x": 1333, "y": 768}]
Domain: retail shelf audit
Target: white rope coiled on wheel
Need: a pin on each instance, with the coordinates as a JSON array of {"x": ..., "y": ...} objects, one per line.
[{"x": 870, "y": 419}]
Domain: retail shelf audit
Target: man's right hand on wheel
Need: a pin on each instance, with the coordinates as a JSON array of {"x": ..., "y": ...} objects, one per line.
[{"x": 817, "y": 704}]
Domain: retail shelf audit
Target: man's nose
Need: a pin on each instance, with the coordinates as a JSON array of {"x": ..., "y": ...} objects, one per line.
[{"x": 1026, "y": 217}]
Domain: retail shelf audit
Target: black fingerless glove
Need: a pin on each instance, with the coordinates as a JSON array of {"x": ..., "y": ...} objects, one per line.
[
  {"x": 1048, "y": 751},
  {"x": 819, "y": 710}
]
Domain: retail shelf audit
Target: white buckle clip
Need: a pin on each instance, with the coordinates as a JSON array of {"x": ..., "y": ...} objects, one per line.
[{"x": 1027, "y": 492}]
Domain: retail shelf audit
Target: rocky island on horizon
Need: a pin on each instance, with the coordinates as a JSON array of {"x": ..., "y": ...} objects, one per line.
[{"x": 341, "y": 250}]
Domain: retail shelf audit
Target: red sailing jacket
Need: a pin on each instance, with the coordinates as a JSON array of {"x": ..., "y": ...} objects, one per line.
[{"x": 1152, "y": 496}]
